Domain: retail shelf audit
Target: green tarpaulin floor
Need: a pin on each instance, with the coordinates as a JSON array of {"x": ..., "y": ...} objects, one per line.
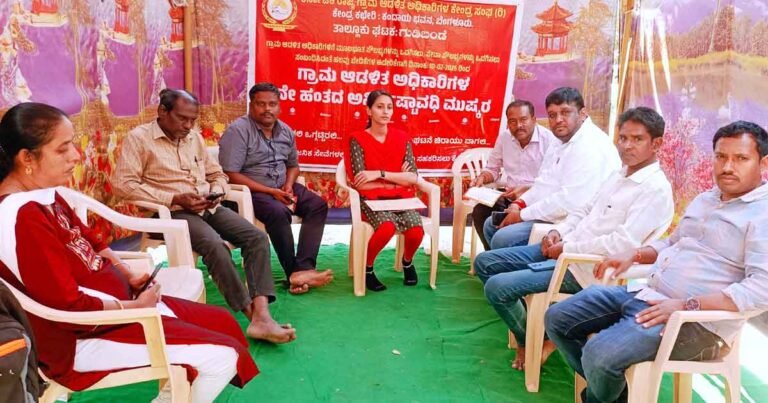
[{"x": 403, "y": 344}]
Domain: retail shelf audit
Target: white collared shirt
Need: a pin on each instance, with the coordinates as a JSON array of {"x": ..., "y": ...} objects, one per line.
[
  {"x": 571, "y": 174},
  {"x": 520, "y": 164},
  {"x": 624, "y": 213}
]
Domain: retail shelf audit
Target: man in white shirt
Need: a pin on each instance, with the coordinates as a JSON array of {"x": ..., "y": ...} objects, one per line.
[
  {"x": 518, "y": 153},
  {"x": 570, "y": 174},
  {"x": 632, "y": 205},
  {"x": 716, "y": 259}
]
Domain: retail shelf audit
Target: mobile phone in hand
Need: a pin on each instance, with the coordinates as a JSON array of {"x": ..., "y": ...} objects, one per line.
[
  {"x": 213, "y": 196},
  {"x": 151, "y": 278},
  {"x": 497, "y": 217}
]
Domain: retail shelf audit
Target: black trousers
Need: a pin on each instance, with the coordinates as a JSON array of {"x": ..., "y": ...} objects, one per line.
[
  {"x": 481, "y": 212},
  {"x": 276, "y": 217}
]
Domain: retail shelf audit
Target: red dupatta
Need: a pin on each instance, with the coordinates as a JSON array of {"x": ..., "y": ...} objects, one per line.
[{"x": 388, "y": 156}]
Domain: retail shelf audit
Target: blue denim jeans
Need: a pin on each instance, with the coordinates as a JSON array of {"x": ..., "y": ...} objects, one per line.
[
  {"x": 511, "y": 235},
  {"x": 621, "y": 341},
  {"x": 508, "y": 279}
]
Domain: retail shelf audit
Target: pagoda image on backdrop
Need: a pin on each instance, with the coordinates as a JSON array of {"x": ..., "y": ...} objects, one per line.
[
  {"x": 45, "y": 13},
  {"x": 552, "y": 31}
]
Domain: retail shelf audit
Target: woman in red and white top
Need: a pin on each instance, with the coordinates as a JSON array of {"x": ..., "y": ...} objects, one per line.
[
  {"x": 380, "y": 160},
  {"x": 50, "y": 255}
]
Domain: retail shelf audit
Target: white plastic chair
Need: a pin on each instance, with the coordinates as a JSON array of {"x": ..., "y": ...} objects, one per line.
[
  {"x": 473, "y": 161},
  {"x": 362, "y": 231},
  {"x": 537, "y": 304},
  {"x": 644, "y": 379},
  {"x": 181, "y": 279},
  {"x": 148, "y": 318}
]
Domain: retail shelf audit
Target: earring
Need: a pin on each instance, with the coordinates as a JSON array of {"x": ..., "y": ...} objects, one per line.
[{"x": 28, "y": 170}]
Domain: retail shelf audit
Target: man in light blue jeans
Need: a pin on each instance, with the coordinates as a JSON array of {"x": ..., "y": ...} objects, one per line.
[
  {"x": 634, "y": 203},
  {"x": 716, "y": 259},
  {"x": 604, "y": 358}
]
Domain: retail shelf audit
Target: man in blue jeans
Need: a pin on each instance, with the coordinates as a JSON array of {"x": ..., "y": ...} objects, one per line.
[
  {"x": 571, "y": 172},
  {"x": 717, "y": 259},
  {"x": 632, "y": 204}
]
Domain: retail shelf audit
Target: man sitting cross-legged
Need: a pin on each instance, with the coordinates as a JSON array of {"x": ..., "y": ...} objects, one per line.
[
  {"x": 633, "y": 203},
  {"x": 716, "y": 259}
]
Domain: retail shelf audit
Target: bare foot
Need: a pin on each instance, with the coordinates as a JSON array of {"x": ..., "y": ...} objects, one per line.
[
  {"x": 271, "y": 332},
  {"x": 298, "y": 289},
  {"x": 312, "y": 278},
  {"x": 519, "y": 362},
  {"x": 547, "y": 350}
]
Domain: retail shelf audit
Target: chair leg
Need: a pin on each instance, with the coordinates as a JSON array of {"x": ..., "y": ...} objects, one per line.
[
  {"x": 433, "y": 263},
  {"x": 732, "y": 384},
  {"x": 180, "y": 388},
  {"x": 639, "y": 378},
  {"x": 358, "y": 249},
  {"x": 579, "y": 384},
  {"x": 472, "y": 250},
  {"x": 534, "y": 340},
  {"x": 399, "y": 249},
  {"x": 459, "y": 223},
  {"x": 351, "y": 263},
  {"x": 683, "y": 387}
]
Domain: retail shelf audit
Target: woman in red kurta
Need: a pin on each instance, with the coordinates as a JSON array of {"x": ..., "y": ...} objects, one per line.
[
  {"x": 380, "y": 163},
  {"x": 51, "y": 256}
]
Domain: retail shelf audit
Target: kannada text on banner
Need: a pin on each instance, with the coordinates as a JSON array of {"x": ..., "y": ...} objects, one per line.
[{"x": 445, "y": 63}]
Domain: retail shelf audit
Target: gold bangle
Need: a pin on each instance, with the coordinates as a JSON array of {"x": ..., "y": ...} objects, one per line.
[{"x": 119, "y": 304}]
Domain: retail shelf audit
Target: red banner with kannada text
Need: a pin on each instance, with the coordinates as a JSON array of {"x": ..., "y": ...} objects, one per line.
[{"x": 448, "y": 65}]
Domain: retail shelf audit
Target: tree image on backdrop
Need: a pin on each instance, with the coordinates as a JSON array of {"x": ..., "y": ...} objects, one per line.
[{"x": 702, "y": 65}]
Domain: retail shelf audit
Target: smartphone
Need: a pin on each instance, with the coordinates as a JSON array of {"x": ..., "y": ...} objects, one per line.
[
  {"x": 151, "y": 278},
  {"x": 542, "y": 266},
  {"x": 213, "y": 196},
  {"x": 497, "y": 217}
]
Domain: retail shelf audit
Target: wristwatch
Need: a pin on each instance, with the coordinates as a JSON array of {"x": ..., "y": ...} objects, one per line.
[
  {"x": 692, "y": 304},
  {"x": 382, "y": 173}
]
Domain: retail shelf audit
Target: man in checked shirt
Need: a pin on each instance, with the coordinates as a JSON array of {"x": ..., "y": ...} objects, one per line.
[{"x": 166, "y": 162}]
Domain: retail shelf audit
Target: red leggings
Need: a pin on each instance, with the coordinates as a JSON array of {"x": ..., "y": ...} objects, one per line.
[{"x": 384, "y": 233}]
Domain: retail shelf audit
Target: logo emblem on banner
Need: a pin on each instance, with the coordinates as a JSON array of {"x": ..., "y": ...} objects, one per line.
[{"x": 279, "y": 14}]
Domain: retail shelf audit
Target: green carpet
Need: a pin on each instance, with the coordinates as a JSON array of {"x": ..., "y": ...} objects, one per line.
[{"x": 403, "y": 344}]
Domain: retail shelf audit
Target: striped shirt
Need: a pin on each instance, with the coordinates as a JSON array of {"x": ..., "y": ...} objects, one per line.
[{"x": 151, "y": 167}]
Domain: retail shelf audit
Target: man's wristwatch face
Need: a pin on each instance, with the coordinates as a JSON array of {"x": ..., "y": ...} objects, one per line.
[{"x": 692, "y": 304}]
